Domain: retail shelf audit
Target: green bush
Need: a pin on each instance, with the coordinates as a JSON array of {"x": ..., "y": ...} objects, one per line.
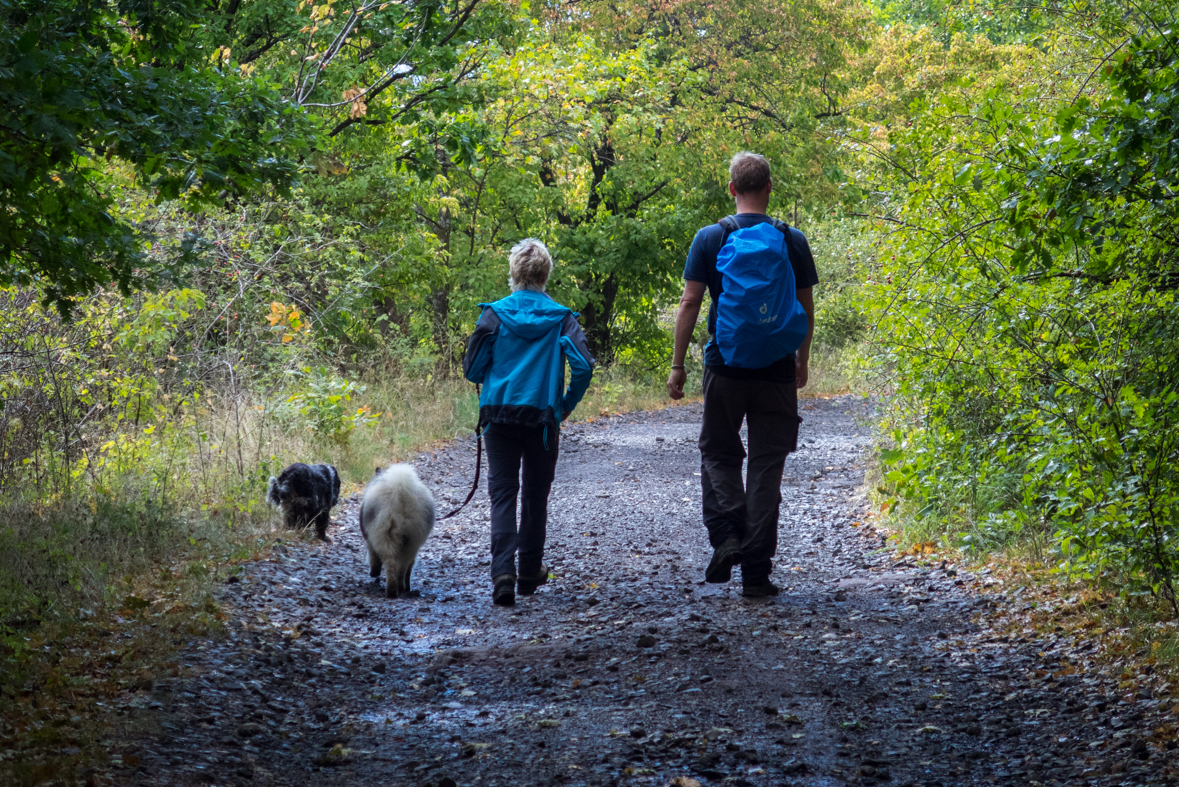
[
  {"x": 843, "y": 250},
  {"x": 323, "y": 401},
  {"x": 1031, "y": 329},
  {"x": 67, "y": 551}
]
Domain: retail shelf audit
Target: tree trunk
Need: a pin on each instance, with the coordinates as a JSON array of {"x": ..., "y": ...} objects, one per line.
[
  {"x": 598, "y": 315},
  {"x": 396, "y": 322},
  {"x": 440, "y": 299}
]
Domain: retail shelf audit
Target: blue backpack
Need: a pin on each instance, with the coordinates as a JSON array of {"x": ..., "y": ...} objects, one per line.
[{"x": 758, "y": 318}]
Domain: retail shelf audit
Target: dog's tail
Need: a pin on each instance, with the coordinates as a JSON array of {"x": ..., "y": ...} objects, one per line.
[{"x": 275, "y": 493}]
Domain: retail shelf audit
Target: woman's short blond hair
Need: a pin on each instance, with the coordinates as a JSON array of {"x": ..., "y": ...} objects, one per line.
[{"x": 529, "y": 265}]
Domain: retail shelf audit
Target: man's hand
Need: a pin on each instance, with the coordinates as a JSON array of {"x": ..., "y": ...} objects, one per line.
[
  {"x": 566, "y": 414},
  {"x": 803, "y": 356},
  {"x": 675, "y": 383},
  {"x": 685, "y": 323}
]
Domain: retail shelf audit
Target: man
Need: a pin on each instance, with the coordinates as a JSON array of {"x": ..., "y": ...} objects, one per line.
[{"x": 742, "y": 519}]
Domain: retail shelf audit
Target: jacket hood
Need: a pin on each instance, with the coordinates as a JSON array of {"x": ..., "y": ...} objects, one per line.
[{"x": 529, "y": 314}]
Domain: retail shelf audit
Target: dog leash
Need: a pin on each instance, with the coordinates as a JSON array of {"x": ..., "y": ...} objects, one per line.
[{"x": 479, "y": 465}]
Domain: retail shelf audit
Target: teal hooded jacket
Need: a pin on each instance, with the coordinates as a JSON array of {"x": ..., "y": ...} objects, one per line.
[{"x": 518, "y": 353}]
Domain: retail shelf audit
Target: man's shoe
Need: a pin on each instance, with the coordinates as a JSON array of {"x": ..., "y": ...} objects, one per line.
[
  {"x": 724, "y": 557},
  {"x": 526, "y": 586},
  {"x": 504, "y": 594},
  {"x": 760, "y": 590}
]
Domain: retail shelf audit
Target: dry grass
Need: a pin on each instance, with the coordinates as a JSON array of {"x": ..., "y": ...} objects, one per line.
[
  {"x": 413, "y": 414},
  {"x": 831, "y": 373},
  {"x": 417, "y": 414}
]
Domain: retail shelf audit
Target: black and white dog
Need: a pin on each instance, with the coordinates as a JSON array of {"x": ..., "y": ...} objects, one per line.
[
  {"x": 396, "y": 518},
  {"x": 306, "y": 494}
]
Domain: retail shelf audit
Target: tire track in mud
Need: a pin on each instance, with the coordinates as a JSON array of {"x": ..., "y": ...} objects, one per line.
[{"x": 626, "y": 668}]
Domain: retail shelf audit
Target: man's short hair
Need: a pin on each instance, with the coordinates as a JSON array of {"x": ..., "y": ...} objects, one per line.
[
  {"x": 529, "y": 265},
  {"x": 750, "y": 172}
]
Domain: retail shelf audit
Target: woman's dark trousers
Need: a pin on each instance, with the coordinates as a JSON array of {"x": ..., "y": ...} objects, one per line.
[{"x": 511, "y": 448}]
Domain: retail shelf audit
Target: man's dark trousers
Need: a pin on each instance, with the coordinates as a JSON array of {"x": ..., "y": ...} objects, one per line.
[
  {"x": 508, "y": 447},
  {"x": 746, "y": 511}
]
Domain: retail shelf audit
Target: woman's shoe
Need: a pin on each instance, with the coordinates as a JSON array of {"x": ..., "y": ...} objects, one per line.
[
  {"x": 526, "y": 586},
  {"x": 504, "y": 594}
]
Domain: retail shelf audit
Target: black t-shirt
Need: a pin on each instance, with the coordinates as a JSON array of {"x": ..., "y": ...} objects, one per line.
[{"x": 701, "y": 267}]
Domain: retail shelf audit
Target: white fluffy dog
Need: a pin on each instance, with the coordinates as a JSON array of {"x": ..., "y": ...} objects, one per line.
[{"x": 396, "y": 518}]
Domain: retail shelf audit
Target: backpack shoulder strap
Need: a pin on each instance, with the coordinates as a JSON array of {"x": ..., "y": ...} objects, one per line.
[
  {"x": 729, "y": 225},
  {"x": 781, "y": 227},
  {"x": 784, "y": 228}
]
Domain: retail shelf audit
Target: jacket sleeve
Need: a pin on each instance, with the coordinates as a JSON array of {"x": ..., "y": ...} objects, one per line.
[
  {"x": 581, "y": 363},
  {"x": 477, "y": 359}
]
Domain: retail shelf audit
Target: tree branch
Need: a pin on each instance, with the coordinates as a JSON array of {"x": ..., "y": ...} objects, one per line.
[
  {"x": 634, "y": 206},
  {"x": 419, "y": 98}
]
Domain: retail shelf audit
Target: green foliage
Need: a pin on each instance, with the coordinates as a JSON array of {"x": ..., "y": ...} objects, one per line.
[
  {"x": 86, "y": 82},
  {"x": 1026, "y": 302},
  {"x": 907, "y": 69},
  {"x": 767, "y": 73},
  {"x": 59, "y": 384},
  {"x": 843, "y": 249},
  {"x": 324, "y": 402},
  {"x": 1000, "y": 22},
  {"x": 367, "y": 64},
  {"x": 603, "y": 181},
  {"x": 611, "y": 144},
  {"x": 209, "y": 108}
]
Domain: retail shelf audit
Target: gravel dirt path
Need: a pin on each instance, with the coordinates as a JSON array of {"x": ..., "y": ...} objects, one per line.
[{"x": 626, "y": 668}]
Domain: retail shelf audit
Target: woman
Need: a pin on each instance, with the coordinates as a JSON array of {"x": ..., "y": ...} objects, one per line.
[{"x": 518, "y": 354}]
